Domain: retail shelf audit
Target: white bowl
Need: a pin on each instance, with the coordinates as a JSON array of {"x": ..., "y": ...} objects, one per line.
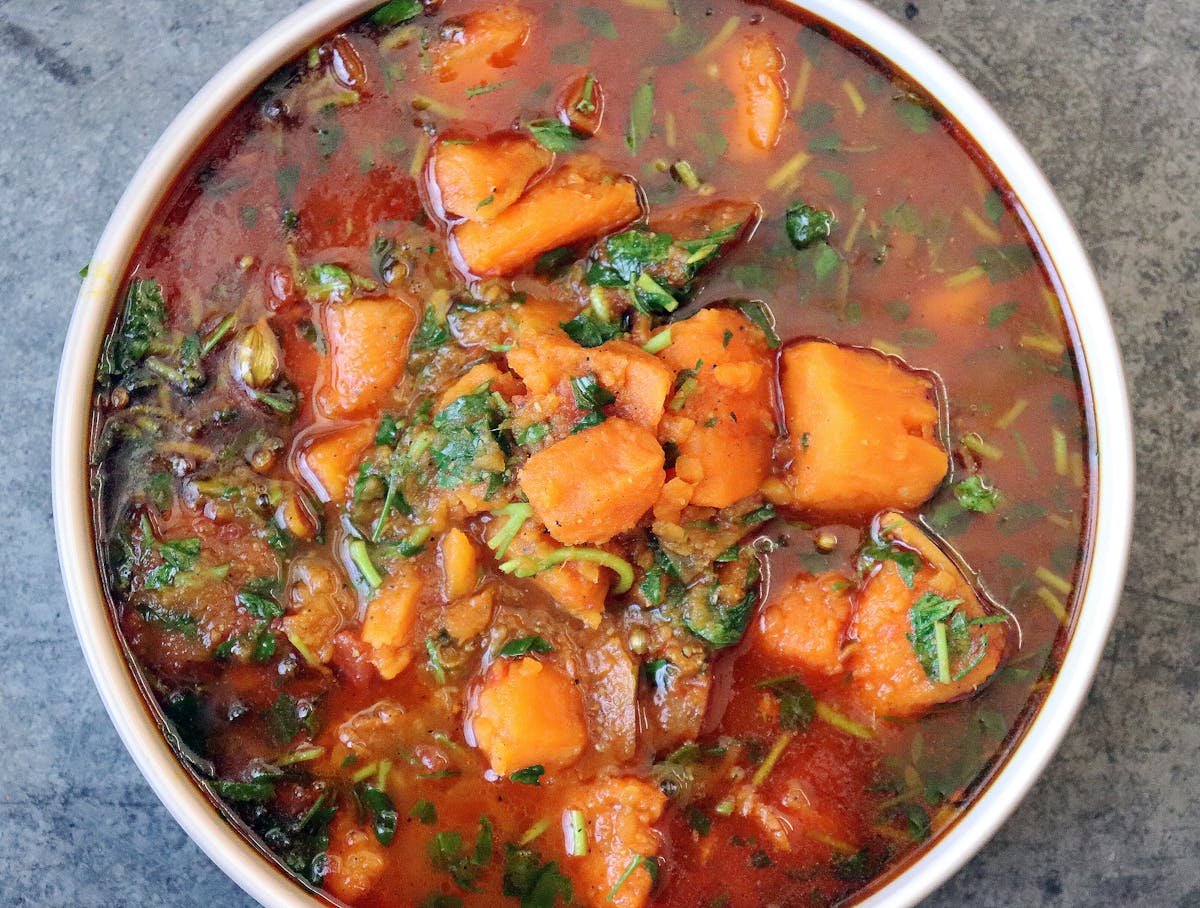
[{"x": 1111, "y": 475}]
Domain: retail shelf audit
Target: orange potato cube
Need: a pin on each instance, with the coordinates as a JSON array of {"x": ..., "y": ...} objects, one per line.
[
  {"x": 469, "y": 383},
  {"x": 886, "y": 673},
  {"x": 459, "y": 564},
  {"x": 621, "y": 813},
  {"x": 481, "y": 41},
  {"x": 479, "y": 180},
  {"x": 528, "y": 713},
  {"x": 593, "y": 485},
  {"x": 807, "y": 623},
  {"x": 327, "y": 460},
  {"x": 726, "y": 453},
  {"x": 579, "y": 588},
  {"x": 863, "y": 431},
  {"x": 368, "y": 347},
  {"x": 356, "y": 859},
  {"x": 755, "y": 76},
  {"x": 581, "y": 199},
  {"x": 389, "y": 622},
  {"x": 639, "y": 380}
]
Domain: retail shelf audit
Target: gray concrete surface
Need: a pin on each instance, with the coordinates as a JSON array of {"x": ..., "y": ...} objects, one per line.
[{"x": 1106, "y": 94}]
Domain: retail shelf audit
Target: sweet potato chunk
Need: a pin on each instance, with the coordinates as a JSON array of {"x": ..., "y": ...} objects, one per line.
[
  {"x": 755, "y": 76},
  {"x": 591, "y": 486},
  {"x": 863, "y": 431},
  {"x": 581, "y": 199},
  {"x": 368, "y": 346},
  {"x": 356, "y": 860},
  {"x": 468, "y": 383},
  {"x": 621, "y": 813},
  {"x": 459, "y": 564},
  {"x": 640, "y": 381},
  {"x": 389, "y": 622},
  {"x": 727, "y": 420},
  {"x": 807, "y": 623},
  {"x": 480, "y": 180},
  {"x": 318, "y": 606},
  {"x": 326, "y": 461},
  {"x": 577, "y": 587},
  {"x": 887, "y": 674},
  {"x": 529, "y": 713},
  {"x": 481, "y": 41}
]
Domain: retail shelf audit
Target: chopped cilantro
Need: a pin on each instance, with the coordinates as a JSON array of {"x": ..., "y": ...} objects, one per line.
[
  {"x": 589, "y": 331},
  {"x": 1003, "y": 263},
  {"x": 523, "y": 646},
  {"x": 591, "y": 398},
  {"x": 974, "y": 494},
  {"x": 555, "y": 135},
  {"x": 530, "y": 775},
  {"x": 797, "y": 706}
]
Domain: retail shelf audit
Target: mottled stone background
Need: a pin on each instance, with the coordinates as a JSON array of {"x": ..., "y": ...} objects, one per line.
[{"x": 1105, "y": 93}]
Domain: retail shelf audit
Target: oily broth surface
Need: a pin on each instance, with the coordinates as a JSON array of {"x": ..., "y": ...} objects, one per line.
[{"x": 913, "y": 208}]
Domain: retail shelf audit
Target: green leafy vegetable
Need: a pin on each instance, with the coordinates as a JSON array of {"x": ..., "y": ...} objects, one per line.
[
  {"x": 448, "y": 855},
  {"x": 938, "y": 629},
  {"x": 591, "y": 398},
  {"x": 523, "y": 646},
  {"x": 806, "y": 225},
  {"x": 537, "y": 885},
  {"x": 424, "y": 812},
  {"x": 712, "y": 615},
  {"x": 433, "y": 332},
  {"x": 762, "y": 317},
  {"x": 142, "y": 323},
  {"x": 974, "y": 494},
  {"x": 467, "y": 448},
  {"x": 1003, "y": 263},
  {"x": 397, "y": 12},
  {"x": 256, "y": 790},
  {"x": 826, "y": 262},
  {"x": 555, "y": 136},
  {"x": 1002, "y": 312},
  {"x": 323, "y": 282},
  {"x": 381, "y": 811},
  {"x": 530, "y": 775},
  {"x": 878, "y": 550},
  {"x": 596, "y": 21},
  {"x": 915, "y": 116},
  {"x": 797, "y": 706},
  {"x": 589, "y": 331}
]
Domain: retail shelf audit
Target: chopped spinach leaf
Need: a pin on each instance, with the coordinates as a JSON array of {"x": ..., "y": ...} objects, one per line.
[
  {"x": 1003, "y": 263},
  {"x": 523, "y": 646},
  {"x": 591, "y": 398},
  {"x": 806, "y": 225},
  {"x": 433, "y": 331},
  {"x": 397, "y": 12},
  {"x": 797, "y": 706},
  {"x": 589, "y": 331},
  {"x": 530, "y": 775},
  {"x": 555, "y": 136}
]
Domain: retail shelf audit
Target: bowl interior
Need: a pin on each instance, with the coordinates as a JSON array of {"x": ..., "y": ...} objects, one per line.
[{"x": 1111, "y": 466}]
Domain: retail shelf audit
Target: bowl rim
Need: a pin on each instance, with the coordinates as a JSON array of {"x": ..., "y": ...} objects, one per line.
[{"x": 1111, "y": 462}]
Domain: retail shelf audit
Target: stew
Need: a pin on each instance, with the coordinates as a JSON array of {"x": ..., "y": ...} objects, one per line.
[{"x": 625, "y": 453}]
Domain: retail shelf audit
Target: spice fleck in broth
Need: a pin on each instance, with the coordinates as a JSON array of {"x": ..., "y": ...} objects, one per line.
[{"x": 627, "y": 453}]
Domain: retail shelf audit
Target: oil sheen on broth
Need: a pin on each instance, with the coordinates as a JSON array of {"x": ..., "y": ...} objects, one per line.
[{"x": 626, "y": 453}]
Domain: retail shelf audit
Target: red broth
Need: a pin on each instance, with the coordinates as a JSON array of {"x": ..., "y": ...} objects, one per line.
[{"x": 298, "y": 539}]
